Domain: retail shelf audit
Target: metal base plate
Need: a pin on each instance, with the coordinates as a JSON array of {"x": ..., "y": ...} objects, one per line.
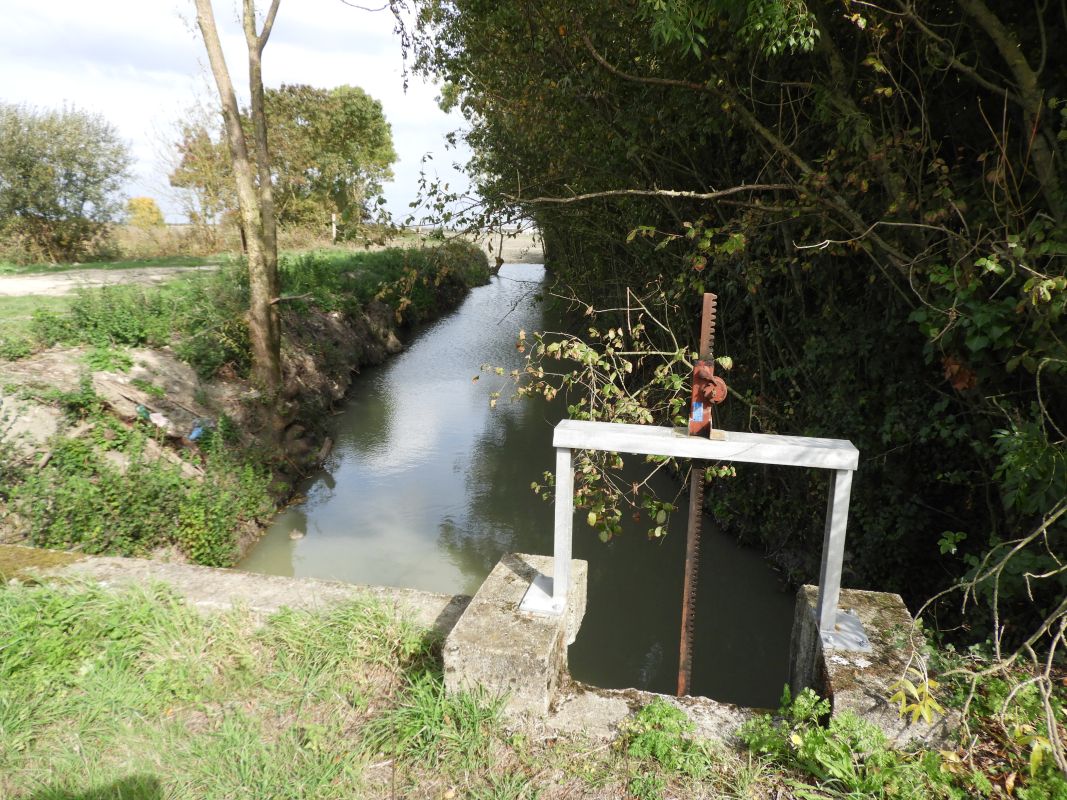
[
  {"x": 538, "y": 598},
  {"x": 848, "y": 634}
]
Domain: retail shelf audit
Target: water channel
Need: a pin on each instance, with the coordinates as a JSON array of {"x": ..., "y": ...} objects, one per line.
[{"x": 427, "y": 486}]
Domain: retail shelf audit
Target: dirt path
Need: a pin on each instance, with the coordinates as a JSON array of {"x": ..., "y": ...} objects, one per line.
[{"x": 59, "y": 283}]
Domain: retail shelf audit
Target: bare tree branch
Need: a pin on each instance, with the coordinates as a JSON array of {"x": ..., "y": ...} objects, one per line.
[
  {"x": 268, "y": 24},
  {"x": 751, "y": 187}
]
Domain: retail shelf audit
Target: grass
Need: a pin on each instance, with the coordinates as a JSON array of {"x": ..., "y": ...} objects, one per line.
[
  {"x": 131, "y": 694},
  {"x": 133, "y": 689},
  {"x": 8, "y": 268},
  {"x": 16, "y": 313}
]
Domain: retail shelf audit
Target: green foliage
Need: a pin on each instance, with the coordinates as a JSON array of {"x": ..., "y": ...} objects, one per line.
[
  {"x": 205, "y": 313},
  {"x": 111, "y": 315},
  {"x": 851, "y": 758},
  {"x": 422, "y": 282},
  {"x": 204, "y": 170},
  {"x": 331, "y": 149},
  {"x": 914, "y": 696},
  {"x": 105, "y": 358},
  {"x": 126, "y": 502},
  {"x": 772, "y": 27},
  {"x": 647, "y": 786},
  {"x": 149, "y": 388},
  {"x": 662, "y": 732},
  {"x": 847, "y": 758},
  {"x": 593, "y": 374},
  {"x": 1007, "y": 709},
  {"x": 85, "y": 500},
  {"x": 60, "y": 172},
  {"x": 78, "y": 403},
  {"x": 12, "y": 348},
  {"x": 203, "y": 316}
]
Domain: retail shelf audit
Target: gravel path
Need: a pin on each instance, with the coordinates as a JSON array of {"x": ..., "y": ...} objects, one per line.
[{"x": 55, "y": 284}]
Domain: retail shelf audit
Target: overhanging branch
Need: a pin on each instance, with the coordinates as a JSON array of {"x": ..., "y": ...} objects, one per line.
[{"x": 750, "y": 187}]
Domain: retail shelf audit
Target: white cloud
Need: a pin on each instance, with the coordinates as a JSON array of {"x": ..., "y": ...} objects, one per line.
[{"x": 140, "y": 64}]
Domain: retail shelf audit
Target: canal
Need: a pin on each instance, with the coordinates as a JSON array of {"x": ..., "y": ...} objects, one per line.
[{"x": 427, "y": 486}]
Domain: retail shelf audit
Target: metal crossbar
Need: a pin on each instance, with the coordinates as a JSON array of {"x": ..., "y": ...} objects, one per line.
[{"x": 548, "y": 594}]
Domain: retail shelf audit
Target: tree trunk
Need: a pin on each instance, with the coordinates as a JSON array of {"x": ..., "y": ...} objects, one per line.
[{"x": 257, "y": 216}]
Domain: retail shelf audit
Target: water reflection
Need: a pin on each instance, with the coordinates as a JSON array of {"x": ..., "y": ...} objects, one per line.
[{"x": 427, "y": 488}]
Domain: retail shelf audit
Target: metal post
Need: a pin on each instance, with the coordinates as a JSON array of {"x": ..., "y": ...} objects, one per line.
[
  {"x": 561, "y": 564},
  {"x": 833, "y": 549}
]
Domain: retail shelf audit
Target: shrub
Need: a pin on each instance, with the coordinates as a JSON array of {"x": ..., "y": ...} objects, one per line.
[{"x": 60, "y": 173}]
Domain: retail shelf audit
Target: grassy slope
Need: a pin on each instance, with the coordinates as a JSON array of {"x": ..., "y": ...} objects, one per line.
[
  {"x": 133, "y": 695},
  {"x": 16, "y": 313}
]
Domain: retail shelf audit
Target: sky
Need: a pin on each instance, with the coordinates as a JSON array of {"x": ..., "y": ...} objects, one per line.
[{"x": 142, "y": 66}]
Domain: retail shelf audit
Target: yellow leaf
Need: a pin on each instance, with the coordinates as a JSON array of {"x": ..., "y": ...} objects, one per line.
[{"x": 1037, "y": 755}]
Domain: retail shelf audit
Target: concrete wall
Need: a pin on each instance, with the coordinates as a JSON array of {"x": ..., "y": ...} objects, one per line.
[{"x": 863, "y": 682}]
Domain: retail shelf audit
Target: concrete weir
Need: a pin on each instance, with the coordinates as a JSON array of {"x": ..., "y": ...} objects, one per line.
[
  {"x": 489, "y": 641},
  {"x": 507, "y": 650}
]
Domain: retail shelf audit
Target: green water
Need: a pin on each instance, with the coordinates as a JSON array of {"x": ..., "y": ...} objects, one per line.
[{"x": 427, "y": 487}]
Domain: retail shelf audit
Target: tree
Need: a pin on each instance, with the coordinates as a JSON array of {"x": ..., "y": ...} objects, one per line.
[
  {"x": 144, "y": 213},
  {"x": 331, "y": 149},
  {"x": 201, "y": 170},
  {"x": 60, "y": 175},
  {"x": 254, "y": 192}
]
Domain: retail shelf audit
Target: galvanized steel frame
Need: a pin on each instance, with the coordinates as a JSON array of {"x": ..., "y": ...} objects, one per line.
[{"x": 548, "y": 594}]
